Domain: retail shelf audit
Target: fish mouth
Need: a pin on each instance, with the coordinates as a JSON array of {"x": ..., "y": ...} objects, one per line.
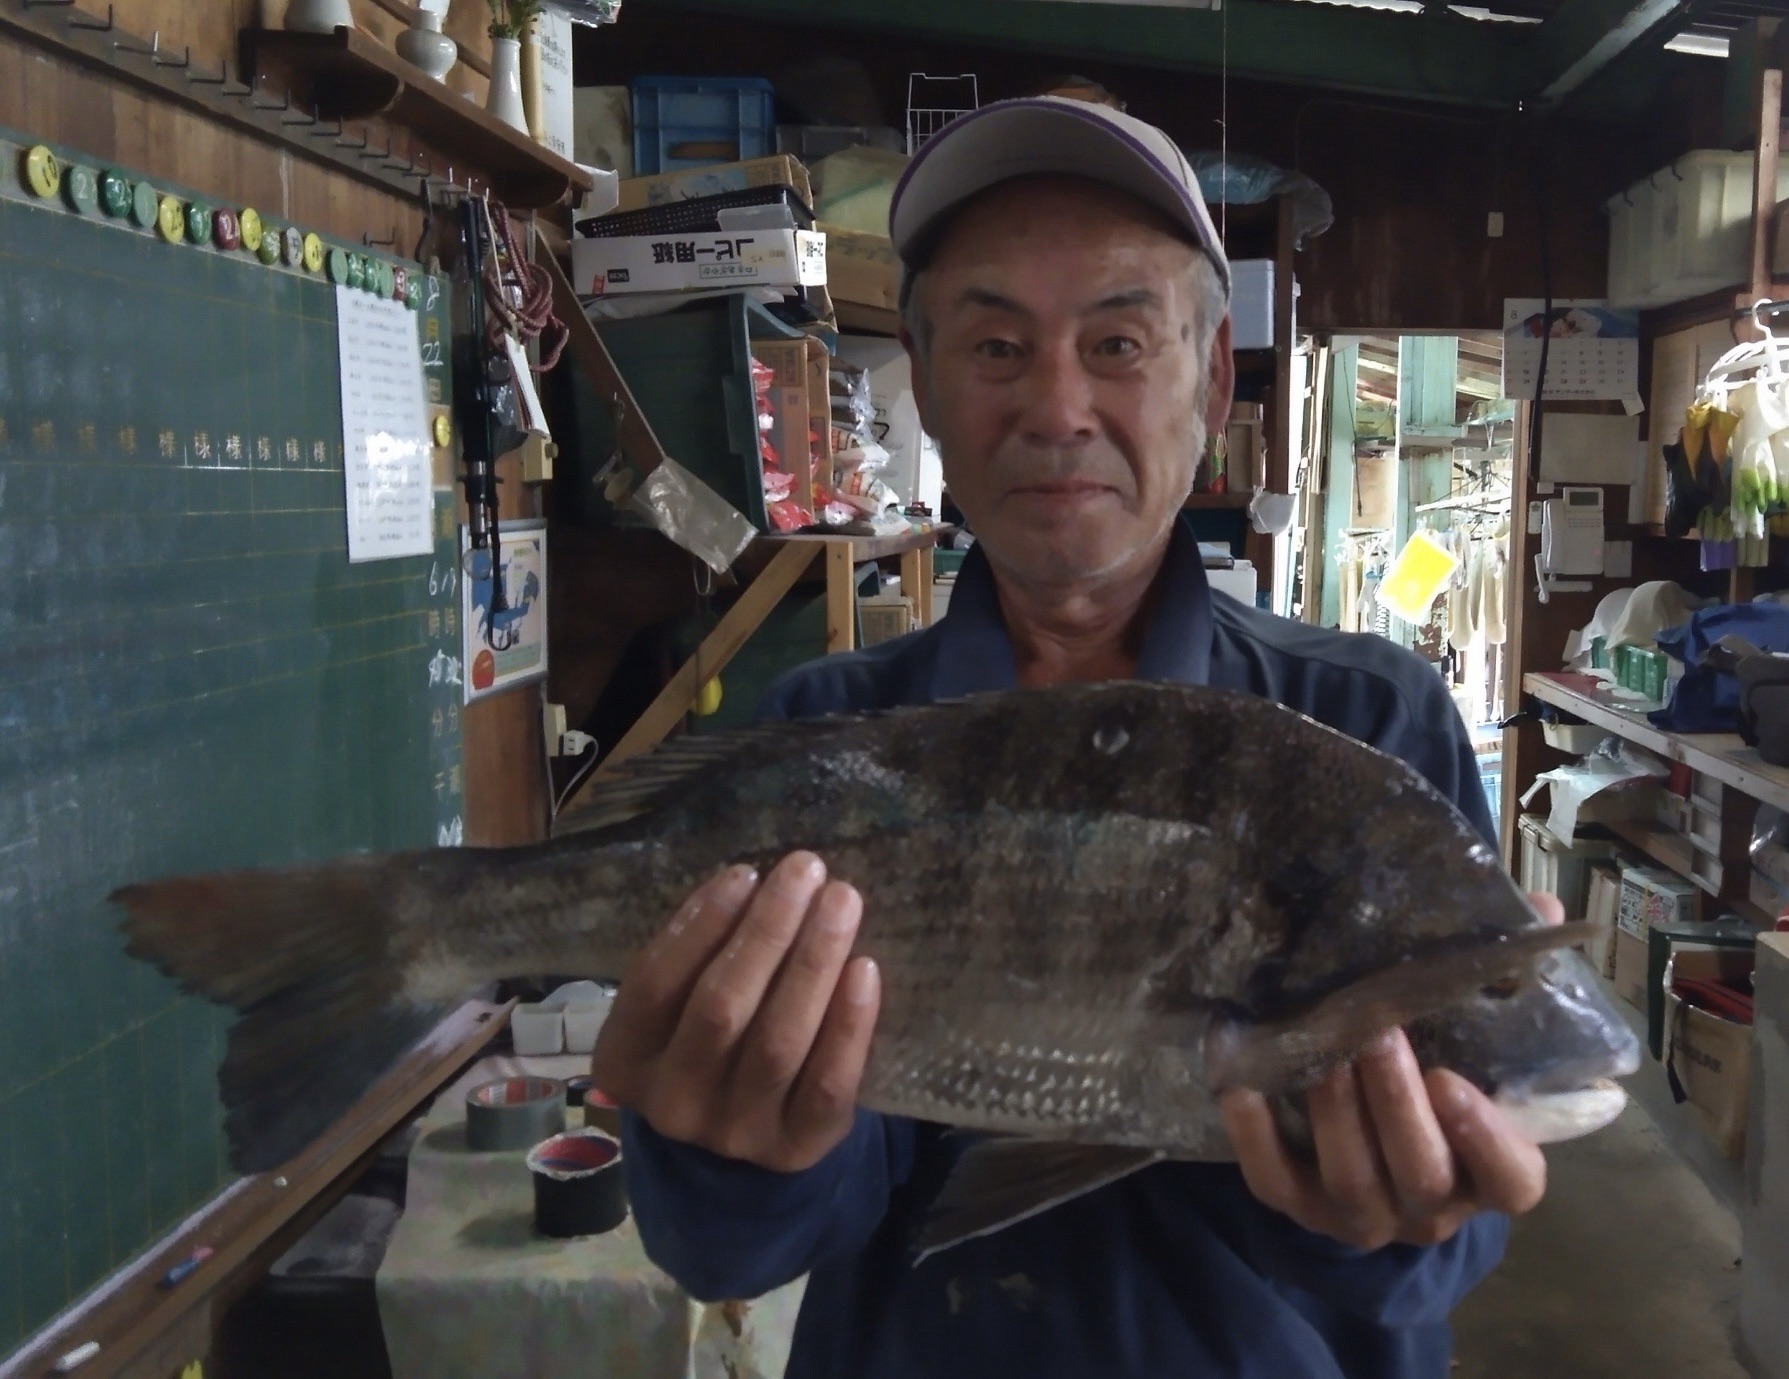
[{"x": 1554, "y": 1117}]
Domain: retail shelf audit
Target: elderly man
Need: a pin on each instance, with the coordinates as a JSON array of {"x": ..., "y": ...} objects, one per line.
[{"x": 1066, "y": 315}]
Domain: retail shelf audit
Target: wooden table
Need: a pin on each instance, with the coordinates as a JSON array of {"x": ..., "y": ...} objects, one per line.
[{"x": 789, "y": 557}]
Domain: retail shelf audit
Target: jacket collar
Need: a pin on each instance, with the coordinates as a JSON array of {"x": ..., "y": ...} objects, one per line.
[{"x": 975, "y": 655}]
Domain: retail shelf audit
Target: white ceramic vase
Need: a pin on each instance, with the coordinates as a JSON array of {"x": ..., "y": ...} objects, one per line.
[
  {"x": 319, "y": 16},
  {"x": 425, "y": 46},
  {"x": 505, "y": 100}
]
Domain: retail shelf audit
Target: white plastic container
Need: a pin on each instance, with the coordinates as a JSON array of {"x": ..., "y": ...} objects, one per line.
[
  {"x": 1557, "y": 868},
  {"x": 1251, "y": 304},
  {"x": 537, "y": 1030},
  {"x": 1576, "y": 738},
  {"x": 1684, "y": 230},
  {"x": 1630, "y": 246}
]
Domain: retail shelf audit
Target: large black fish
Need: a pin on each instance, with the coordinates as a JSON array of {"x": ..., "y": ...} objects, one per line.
[{"x": 1093, "y": 907}]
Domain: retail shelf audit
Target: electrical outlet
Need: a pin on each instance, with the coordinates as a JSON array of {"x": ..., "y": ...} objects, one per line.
[
  {"x": 553, "y": 725},
  {"x": 1494, "y": 225}
]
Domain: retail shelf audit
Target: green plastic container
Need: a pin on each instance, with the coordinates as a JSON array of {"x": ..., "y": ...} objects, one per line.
[
  {"x": 1599, "y": 653},
  {"x": 690, "y": 371}
]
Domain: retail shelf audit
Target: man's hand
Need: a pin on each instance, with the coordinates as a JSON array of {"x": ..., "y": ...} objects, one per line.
[
  {"x": 743, "y": 1027},
  {"x": 1402, "y": 1155}
]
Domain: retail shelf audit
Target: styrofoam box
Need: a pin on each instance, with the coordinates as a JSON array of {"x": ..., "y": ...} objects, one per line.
[
  {"x": 1685, "y": 230},
  {"x": 1251, "y": 304}
]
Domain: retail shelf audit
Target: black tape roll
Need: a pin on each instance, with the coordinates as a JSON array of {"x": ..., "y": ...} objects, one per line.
[{"x": 578, "y": 1187}]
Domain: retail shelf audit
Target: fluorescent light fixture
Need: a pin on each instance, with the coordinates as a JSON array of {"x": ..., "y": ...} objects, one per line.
[{"x": 1700, "y": 43}]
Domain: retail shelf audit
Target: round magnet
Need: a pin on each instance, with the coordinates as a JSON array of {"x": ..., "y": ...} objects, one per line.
[
  {"x": 356, "y": 271},
  {"x": 269, "y": 252},
  {"x": 145, "y": 206},
  {"x": 114, "y": 193},
  {"x": 226, "y": 231},
  {"x": 413, "y": 292},
  {"x": 292, "y": 247},
  {"x": 313, "y": 254},
  {"x": 43, "y": 174},
  {"x": 198, "y": 223},
  {"x": 170, "y": 219},
  {"x": 400, "y": 283},
  {"x": 443, "y": 430},
  {"x": 248, "y": 224},
  {"x": 80, "y": 189},
  {"x": 338, "y": 265},
  {"x": 384, "y": 287}
]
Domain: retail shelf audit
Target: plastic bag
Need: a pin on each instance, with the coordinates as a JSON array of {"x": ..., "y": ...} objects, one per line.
[
  {"x": 1241, "y": 179},
  {"x": 853, "y": 409},
  {"x": 591, "y": 12}
]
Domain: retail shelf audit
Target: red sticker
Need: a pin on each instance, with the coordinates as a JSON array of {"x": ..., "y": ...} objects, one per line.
[
  {"x": 484, "y": 670},
  {"x": 226, "y": 230}
]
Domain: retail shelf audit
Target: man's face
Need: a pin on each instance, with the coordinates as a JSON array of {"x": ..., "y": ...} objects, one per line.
[{"x": 1063, "y": 377}]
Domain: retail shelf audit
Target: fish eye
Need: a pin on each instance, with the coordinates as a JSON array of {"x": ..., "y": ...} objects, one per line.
[{"x": 1501, "y": 991}]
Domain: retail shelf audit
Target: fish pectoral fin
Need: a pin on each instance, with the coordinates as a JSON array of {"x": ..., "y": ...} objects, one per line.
[
  {"x": 1001, "y": 1181},
  {"x": 1286, "y": 1055}
]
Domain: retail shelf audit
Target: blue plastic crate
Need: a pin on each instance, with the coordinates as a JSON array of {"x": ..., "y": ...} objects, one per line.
[{"x": 695, "y": 122}]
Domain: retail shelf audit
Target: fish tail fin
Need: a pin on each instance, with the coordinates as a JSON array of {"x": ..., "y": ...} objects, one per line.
[
  {"x": 1289, "y": 1054},
  {"x": 310, "y": 957}
]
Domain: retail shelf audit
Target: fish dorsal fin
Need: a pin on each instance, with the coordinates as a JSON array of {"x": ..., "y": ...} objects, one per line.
[
  {"x": 998, "y": 1182},
  {"x": 629, "y": 790}
]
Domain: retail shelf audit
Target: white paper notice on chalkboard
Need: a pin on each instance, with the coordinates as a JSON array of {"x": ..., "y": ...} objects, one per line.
[{"x": 385, "y": 429}]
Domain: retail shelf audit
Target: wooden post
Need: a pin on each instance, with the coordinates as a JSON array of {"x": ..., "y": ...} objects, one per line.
[
  {"x": 717, "y": 649},
  {"x": 841, "y": 598},
  {"x": 1764, "y": 182}
]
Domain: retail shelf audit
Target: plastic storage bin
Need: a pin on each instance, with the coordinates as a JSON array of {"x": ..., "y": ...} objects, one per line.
[
  {"x": 690, "y": 371},
  {"x": 694, "y": 122},
  {"x": 1557, "y": 868},
  {"x": 1685, "y": 230}
]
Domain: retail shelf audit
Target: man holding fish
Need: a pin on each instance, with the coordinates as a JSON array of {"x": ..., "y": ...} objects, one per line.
[
  {"x": 1066, "y": 314},
  {"x": 1144, "y": 997}
]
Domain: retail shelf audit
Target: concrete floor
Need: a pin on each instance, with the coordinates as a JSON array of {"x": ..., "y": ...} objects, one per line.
[{"x": 1626, "y": 1271}]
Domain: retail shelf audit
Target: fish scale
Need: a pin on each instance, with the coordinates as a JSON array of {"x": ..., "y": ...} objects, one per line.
[{"x": 1092, "y": 907}]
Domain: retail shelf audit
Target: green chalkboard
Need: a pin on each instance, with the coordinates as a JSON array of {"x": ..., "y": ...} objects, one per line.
[{"x": 192, "y": 677}]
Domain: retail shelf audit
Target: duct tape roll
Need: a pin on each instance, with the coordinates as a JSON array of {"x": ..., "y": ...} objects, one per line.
[
  {"x": 602, "y": 1114},
  {"x": 578, "y": 1188},
  {"x": 576, "y": 1087},
  {"x": 514, "y": 1113}
]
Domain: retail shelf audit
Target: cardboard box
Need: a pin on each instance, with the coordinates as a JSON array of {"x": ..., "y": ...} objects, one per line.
[
  {"x": 796, "y": 409},
  {"x": 603, "y": 130},
  {"x": 862, "y": 269},
  {"x": 698, "y": 262},
  {"x": 1601, "y": 907},
  {"x": 1764, "y": 1213},
  {"x": 1712, "y": 1058},
  {"x": 780, "y": 171},
  {"x": 1651, "y": 896},
  {"x": 1630, "y": 969}
]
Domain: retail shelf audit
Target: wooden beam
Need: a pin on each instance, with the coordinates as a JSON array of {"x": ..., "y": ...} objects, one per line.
[
  {"x": 841, "y": 597},
  {"x": 1583, "y": 38},
  {"x": 640, "y": 447},
  {"x": 133, "y": 1318},
  {"x": 1764, "y": 182},
  {"x": 718, "y": 648}
]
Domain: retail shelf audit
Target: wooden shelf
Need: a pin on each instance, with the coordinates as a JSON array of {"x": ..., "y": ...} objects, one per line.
[
  {"x": 1723, "y": 756},
  {"x": 1669, "y": 849},
  {"x": 1217, "y": 500},
  {"x": 353, "y": 77},
  {"x": 868, "y": 547}
]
